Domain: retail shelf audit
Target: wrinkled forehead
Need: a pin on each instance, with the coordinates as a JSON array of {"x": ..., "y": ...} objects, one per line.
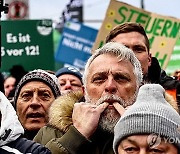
[
  {"x": 110, "y": 64},
  {"x": 35, "y": 85}
]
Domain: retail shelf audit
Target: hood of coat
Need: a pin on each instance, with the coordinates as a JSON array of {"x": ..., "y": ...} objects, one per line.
[
  {"x": 60, "y": 112},
  {"x": 10, "y": 128}
]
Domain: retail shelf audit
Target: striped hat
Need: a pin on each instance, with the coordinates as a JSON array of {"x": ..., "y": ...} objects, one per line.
[{"x": 38, "y": 75}]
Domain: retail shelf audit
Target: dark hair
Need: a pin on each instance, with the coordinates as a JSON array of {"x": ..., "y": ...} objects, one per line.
[{"x": 126, "y": 28}]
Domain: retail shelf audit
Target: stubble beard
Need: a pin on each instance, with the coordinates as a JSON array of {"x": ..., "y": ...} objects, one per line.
[{"x": 110, "y": 116}]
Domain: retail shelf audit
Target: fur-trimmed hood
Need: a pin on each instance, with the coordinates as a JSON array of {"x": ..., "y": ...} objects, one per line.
[{"x": 60, "y": 112}]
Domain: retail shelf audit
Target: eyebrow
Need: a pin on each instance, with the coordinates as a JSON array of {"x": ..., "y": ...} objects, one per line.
[
  {"x": 131, "y": 141},
  {"x": 124, "y": 74},
  {"x": 39, "y": 89},
  {"x": 72, "y": 80},
  {"x": 100, "y": 73}
]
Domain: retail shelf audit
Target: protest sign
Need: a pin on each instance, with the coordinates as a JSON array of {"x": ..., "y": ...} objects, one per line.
[
  {"x": 174, "y": 63},
  {"x": 75, "y": 44},
  {"x": 162, "y": 31},
  {"x": 28, "y": 43}
]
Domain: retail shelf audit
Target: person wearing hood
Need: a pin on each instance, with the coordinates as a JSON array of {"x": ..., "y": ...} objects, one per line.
[{"x": 11, "y": 132}]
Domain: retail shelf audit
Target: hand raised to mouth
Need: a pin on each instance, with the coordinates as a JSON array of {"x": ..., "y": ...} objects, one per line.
[{"x": 83, "y": 111}]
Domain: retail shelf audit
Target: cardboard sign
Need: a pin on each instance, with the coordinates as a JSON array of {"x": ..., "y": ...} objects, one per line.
[
  {"x": 75, "y": 44},
  {"x": 28, "y": 43},
  {"x": 162, "y": 31},
  {"x": 174, "y": 63}
]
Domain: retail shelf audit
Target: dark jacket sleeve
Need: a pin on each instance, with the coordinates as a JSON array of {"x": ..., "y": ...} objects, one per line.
[{"x": 28, "y": 146}]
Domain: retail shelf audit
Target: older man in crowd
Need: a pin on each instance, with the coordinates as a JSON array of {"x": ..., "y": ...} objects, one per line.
[
  {"x": 111, "y": 80},
  {"x": 11, "y": 132},
  {"x": 70, "y": 79},
  {"x": 33, "y": 96}
]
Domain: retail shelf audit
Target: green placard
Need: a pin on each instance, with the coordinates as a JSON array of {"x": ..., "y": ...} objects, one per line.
[
  {"x": 162, "y": 31},
  {"x": 28, "y": 43},
  {"x": 174, "y": 63}
]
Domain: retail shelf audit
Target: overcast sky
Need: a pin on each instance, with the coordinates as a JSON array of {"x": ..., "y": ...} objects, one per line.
[{"x": 96, "y": 9}]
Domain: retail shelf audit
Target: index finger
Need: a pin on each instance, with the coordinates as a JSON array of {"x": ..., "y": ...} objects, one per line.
[
  {"x": 102, "y": 107},
  {"x": 119, "y": 108}
]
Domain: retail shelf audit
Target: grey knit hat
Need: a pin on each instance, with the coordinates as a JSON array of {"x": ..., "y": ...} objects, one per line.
[
  {"x": 38, "y": 75},
  {"x": 150, "y": 114}
]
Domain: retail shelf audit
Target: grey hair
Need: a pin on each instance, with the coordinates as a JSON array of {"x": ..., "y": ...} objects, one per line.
[{"x": 122, "y": 53}]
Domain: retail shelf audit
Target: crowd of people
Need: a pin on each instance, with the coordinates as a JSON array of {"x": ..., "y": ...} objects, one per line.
[{"x": 127, "y": 105}]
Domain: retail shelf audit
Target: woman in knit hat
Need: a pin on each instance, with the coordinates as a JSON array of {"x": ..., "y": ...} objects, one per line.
[
  {"x": 33, "y": 96},
  {"x": 150, "y": 126}
]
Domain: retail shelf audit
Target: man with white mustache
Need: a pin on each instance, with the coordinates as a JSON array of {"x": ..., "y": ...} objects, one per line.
[{"x": 111, "y": 81}]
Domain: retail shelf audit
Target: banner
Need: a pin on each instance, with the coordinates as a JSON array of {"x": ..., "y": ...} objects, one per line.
[
  {"x": 162, "y": 31},
  {"x": 28, "y": 43},
  {"x": 75, "y": 44}
]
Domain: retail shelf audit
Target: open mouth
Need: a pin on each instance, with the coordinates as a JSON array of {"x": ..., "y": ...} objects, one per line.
[{"x": 35, "y": 115}]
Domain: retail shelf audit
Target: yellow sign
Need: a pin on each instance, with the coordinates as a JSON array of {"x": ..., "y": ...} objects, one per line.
[{"x": 162, "y": 31}]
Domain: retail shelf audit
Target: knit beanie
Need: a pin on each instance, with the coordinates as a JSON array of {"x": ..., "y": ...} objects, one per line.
[
  {"x": 69, "y": 70},
  {"x": 150, "y": 114},
  {"x": 38, "y": 75}
]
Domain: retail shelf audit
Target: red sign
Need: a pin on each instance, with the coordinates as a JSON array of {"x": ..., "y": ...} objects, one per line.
[{"x": 17, "y": 10}]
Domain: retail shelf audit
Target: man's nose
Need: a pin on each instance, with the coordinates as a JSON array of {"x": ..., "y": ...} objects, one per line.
[
  {"x": 36, "y": 102},
  {"x": 67, "y": 85},
  {"x": 111, "y": 86},
  {"x": 142, "y": 151}
]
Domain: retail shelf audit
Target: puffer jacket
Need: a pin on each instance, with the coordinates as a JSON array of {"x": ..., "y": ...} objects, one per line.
[
  {"x": 61, "y": 137},
  {"x": 11, "y": 131}
]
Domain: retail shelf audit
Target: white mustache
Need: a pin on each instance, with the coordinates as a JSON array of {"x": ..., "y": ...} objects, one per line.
[{"x": 113, "y": 98}]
